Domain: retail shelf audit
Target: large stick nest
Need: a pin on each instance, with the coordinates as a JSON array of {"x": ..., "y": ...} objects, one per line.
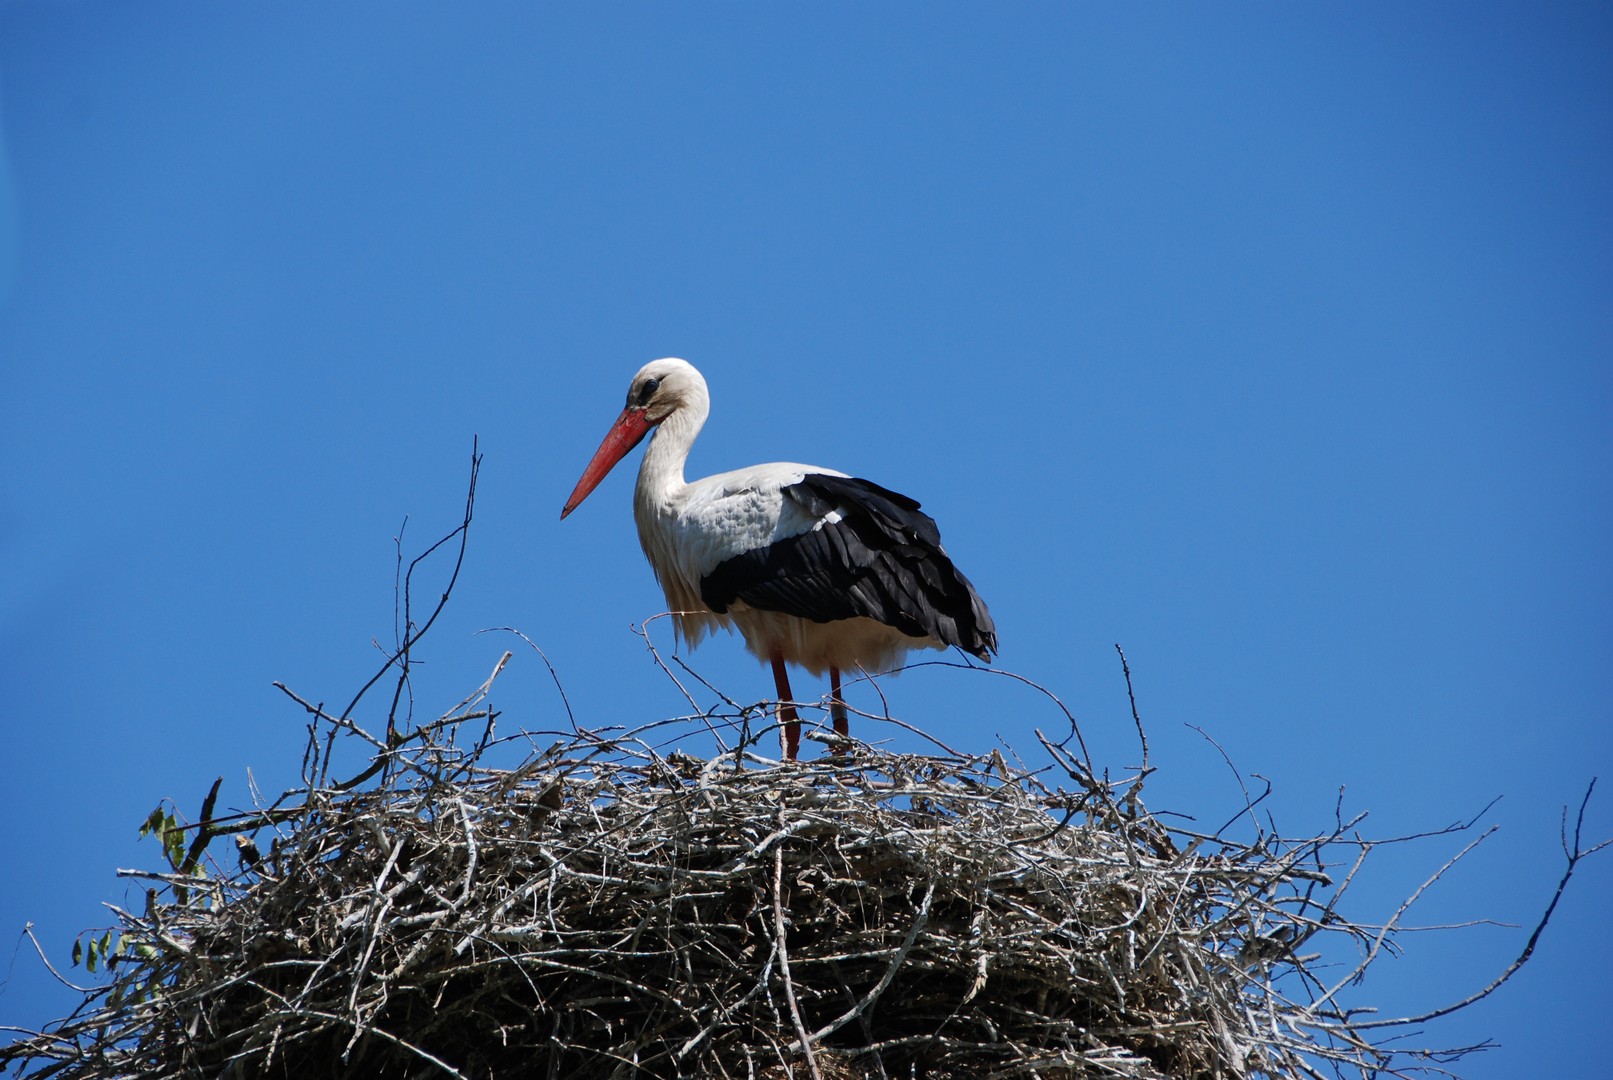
[
  {"x": 613, "y": 908},
  {"x": 604, "y": 910}
]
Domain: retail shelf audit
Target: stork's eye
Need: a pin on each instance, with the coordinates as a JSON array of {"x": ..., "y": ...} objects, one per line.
[{"x": 647, "y": 391}]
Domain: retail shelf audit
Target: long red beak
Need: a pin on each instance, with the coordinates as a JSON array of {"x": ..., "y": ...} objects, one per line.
[{"x": 627, "y": 432}]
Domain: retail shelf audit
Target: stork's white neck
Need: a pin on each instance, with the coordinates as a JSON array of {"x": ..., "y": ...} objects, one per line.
[{"x": 660, "y": 476}]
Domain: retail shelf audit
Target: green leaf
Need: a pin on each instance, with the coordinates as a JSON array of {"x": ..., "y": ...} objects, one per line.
[{"x": 154, "y": 821}]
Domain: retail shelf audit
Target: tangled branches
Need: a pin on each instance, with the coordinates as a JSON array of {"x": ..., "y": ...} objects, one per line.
[
  {"x": 614, "y": 907},
  {"x": 607, "y": 909}
]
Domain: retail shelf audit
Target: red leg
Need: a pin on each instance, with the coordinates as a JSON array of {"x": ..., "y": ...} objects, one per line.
[
  {"x": 837, "y": 704},
  {"x": 789, "y": 726}
]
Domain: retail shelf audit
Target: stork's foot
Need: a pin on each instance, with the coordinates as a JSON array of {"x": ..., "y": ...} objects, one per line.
[{"x": 789, "y": 723}]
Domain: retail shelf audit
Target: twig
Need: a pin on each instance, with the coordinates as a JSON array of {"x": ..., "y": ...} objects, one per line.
[
  {"x": 1131, "y": 696},
  {"x": 1574, "y": 854},
  {"x": 780, "y": 935},
  {"x": 412, "y": 638},
  {"x": 564, "y": 700}
]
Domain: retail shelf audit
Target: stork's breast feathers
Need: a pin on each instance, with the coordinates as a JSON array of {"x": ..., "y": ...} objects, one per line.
[{"x": 835, "y": 547}]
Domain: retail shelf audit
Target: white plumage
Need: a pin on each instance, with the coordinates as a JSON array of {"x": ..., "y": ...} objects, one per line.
[{"x": 812, "y": 566}]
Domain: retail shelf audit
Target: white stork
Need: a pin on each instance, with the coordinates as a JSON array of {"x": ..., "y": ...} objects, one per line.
[{"x": 814, "y": 567}]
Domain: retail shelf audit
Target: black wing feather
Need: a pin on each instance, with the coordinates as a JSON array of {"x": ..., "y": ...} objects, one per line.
[{"x": 882, "y": 559}]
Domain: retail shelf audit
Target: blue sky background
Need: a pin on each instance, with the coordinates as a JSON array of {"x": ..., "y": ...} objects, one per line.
[{"x": 1273, "y": 342}]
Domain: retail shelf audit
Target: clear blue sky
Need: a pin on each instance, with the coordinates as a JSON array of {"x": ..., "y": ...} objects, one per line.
[{"x": 1273, "y": 342}]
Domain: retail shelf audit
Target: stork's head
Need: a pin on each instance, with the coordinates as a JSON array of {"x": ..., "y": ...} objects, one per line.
[{"x": 660, "y": 389}]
